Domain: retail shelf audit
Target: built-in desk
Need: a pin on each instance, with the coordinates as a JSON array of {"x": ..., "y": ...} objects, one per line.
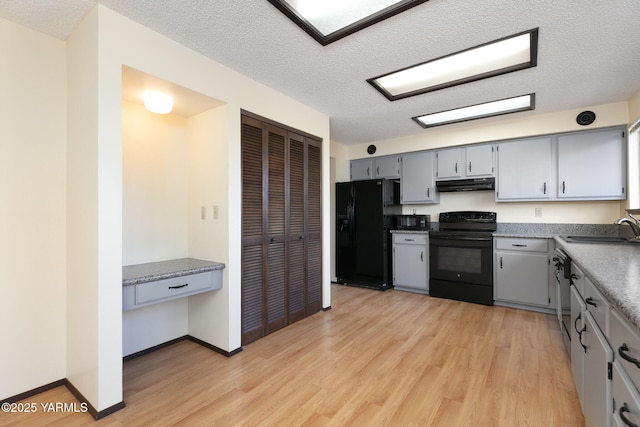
[{"x": 154, "y": 282}]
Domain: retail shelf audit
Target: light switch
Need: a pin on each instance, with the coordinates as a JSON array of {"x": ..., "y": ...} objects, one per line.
[{"x": 215, "y": 211}]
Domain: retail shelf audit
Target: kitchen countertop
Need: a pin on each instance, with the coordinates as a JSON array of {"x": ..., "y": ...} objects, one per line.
[
  {"x": 614, "y": 269},
  {"x": 149, "y": 272}
]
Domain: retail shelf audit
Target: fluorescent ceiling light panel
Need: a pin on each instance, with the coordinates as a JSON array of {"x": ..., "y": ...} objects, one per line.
[
  {"x": 330, "y": 20},
  {"x": 502, "y": 56},
  {"x": 479, "y": 111}
]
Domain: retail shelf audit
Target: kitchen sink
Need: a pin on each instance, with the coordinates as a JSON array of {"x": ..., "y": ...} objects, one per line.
[{"x": 598, "y": 239}]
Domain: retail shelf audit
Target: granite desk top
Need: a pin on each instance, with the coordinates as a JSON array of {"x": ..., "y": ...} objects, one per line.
[
  {"x": 149, "y": 272},
  {"x": 614, "y": 269}
]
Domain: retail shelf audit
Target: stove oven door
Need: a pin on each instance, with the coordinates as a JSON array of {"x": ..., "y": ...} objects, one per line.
[{"x": 461, "y": 268}]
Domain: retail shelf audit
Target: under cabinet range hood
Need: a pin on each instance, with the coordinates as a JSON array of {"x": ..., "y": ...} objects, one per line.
[{"x": 474, "y": 184}]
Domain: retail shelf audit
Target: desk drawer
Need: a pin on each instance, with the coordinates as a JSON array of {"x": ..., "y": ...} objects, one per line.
[{"x": 172, "y": 288}]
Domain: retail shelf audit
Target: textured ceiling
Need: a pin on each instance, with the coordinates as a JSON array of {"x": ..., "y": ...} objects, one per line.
[{"x": 589, "y": 52}]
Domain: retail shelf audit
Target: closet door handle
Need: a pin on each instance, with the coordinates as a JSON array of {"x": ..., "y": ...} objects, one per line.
[{"x": 622, "y": 352}]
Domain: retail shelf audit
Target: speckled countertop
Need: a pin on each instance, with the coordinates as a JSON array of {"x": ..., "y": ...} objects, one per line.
[
  {"x": 614, "y": 269},
  {"x": 141, "y": 273}
]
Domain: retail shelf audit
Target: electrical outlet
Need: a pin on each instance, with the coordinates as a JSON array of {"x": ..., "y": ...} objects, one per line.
[
  {"x": 215, "y": 211},
  {"x": 538, "y": 212}
]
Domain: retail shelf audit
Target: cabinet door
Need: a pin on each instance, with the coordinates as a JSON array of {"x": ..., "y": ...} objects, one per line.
[
  {"x": 596, "y": 383},
  {"x": 592, "y": 165},
  {"x": 450, "y": 163},
  {"x": 387, "y": 167},
  {"x": 522, "y": 278},
  {"x": 410, "y": 266},
  {"x": 577, "y": 351},
  {"x": 479, "y": 161},
  {"x": 361, "y": 169},
  {"x": 524, "y": 170},
  {"x": 417, "y": 182}
]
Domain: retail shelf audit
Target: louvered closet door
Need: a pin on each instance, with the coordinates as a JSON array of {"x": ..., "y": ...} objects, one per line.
[
  {"x": 296, "y": 250},
  {"x": 314, "y": 227},
  {"x": 253, "y": 313},
  {"x": 276, "y": 244}
]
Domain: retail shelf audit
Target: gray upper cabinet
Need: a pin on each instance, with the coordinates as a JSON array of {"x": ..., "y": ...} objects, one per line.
[
  {"x": 465, "y": 162},
  {"x": 592, "y": 165},
  {"x": 524, "y": 170},
  {"x": 387, "y": 167},
  {"x": 361, "y": 169},
  {"x": 380, "y": 167},
  {"x": 418, "y": 178}
]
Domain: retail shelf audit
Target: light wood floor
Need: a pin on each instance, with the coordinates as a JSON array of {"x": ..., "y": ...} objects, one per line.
[{"x": 375, "y": 359}]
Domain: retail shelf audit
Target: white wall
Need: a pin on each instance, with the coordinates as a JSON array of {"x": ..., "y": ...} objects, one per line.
[
  {"x": 32, "y": 209},
  {"x": 155, "y": 186},
  {"x": 495, "y": 130},
  {"x": 99, "y": 47}
]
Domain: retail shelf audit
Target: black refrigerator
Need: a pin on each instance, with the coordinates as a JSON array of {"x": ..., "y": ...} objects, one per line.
[{"x": 365, "y": 215}]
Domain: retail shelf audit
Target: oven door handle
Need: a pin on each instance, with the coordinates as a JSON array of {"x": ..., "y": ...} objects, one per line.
[{"x": 469, "y": 239}]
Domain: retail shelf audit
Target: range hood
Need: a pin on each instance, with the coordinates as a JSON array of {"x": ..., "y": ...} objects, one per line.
[{"x": 474, "y": 184}]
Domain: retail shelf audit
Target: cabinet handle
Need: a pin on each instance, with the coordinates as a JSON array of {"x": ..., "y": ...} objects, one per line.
[
  {"x": 501, "y": 263},
  {"x": 428, "y": 196},
  {"x": 624, "y": 419},
  {"x": 544, "y": 188},
  {"x": 422, "y": 256},
  {"x": 563, "y": 187},
  {"x": 590, "y": 301},
  {"x": 518, "y": 245},
  {"x": 378, "y": 170},
  {"x": 178, "y": 287},
  {"x": 622, "y": 352},
  {"x": 584, "y": 328},
  {"x": 368, "y": 171},
  {"x": 409, "y": 240},
  {"x": 469, "y": 165},
  {"x": 456, "y": 168}
]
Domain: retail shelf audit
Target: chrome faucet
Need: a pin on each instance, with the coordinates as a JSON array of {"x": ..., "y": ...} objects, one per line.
[{"x": 632, "y": 224}]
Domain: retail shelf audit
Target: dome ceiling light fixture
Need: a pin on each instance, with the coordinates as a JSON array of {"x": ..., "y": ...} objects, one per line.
[{"x": 157, "y": 102}]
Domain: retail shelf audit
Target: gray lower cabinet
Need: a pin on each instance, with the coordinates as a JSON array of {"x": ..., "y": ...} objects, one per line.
[
  {"x": 411, "y": 262},
  {"x": 521, "y": 268},
  {"x": 597, "y": 386},
  {"x": 625, "y": 343}
]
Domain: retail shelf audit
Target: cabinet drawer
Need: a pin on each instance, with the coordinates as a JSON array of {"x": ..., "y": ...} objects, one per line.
[
  {"x": 597, "y": 305},
  {"x": 529, "y": 245},
  {"x": 410, "y": 239},
  {"x": 140, "y": 295},
  {"x": 626, "y": 346},
  {"x": 625, "y": 397}
]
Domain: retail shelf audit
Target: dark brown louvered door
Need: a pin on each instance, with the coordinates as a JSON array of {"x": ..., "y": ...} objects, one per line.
[
  {"x": 280, "y": 284},
  {"x": 314, "y": 228},
  {"x": 276, "y": 241},
  {"x": 253, "y": 326},
  {"x": 296, "y": 250}
]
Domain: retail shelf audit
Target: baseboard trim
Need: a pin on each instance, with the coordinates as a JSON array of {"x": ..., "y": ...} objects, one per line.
[
  {"x": 73, "y": 390},
  {"x": 182, "y": 338},
  {"x": 90, "y": 408},
  {"x": 30, "y": 393}
]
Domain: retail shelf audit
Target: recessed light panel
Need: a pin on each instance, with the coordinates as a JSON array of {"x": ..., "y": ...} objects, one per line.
[
  {"x": 502, "y": 56},
  {"x": 478, "y": 111},
  {"x": 330, "y": 20}
]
